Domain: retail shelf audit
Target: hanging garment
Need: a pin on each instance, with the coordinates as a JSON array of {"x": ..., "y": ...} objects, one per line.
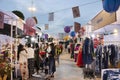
[
  {"x": 118, "y": 57},
  {"x": 112, "y": 56},
  {"x": 105, "y": 75},
  {"x": 76, "y": 51},
  {"x": 79, "y": 59},
  {"x": 87, "y": 51},
  {"x": 105, "y": 57},
  {"x": 98, "y": 59}
]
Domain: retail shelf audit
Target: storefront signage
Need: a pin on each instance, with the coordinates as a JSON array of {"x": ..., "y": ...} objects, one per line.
[{"x": 103, "y": 19}]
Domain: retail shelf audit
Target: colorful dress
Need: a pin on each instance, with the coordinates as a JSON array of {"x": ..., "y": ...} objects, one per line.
[
  {"x": 23, "y": 65},
  {"x": 79, "y": 59}
]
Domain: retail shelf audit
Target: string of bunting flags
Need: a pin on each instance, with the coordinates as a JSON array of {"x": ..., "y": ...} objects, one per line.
[
  {"x": 76, "y": 14},
  {"x": 75, "y": 10}
]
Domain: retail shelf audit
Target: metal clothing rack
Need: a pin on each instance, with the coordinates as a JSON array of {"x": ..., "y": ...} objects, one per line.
[
  {"x": 116, "y": 43},
  {"x": 112, "y": 42}
]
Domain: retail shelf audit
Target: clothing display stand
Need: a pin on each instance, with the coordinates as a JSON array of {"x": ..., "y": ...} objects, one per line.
[
  {"x": 88, "y": 72},
  {"x": 10, "y": 18},
  {"x": 87, "y": 52},
  {"x": 109, "y": 55}
]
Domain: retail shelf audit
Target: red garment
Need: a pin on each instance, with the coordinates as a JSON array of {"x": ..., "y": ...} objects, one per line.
[
  {"x": 61, "y": 47},
  {"x": 79, "y": 59},
  {"x": 42, "y": 53}
]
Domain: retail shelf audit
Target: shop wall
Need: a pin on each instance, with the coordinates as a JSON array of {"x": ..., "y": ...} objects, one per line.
[
  {"x": 112, "y": 27},
  {"x": 112, "y": 37},
  {"x": 113, "y": 31}
]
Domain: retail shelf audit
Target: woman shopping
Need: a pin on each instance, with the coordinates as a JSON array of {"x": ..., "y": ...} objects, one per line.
[
  {"x": 52, "y": 67},
  {"x": 23, "y": 55}
]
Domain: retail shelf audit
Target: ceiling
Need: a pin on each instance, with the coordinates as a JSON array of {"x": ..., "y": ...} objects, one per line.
[{"x": 61, "y": 8}]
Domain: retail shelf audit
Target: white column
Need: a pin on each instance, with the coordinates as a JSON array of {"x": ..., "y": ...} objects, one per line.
[{"x": 11, "y": 47}]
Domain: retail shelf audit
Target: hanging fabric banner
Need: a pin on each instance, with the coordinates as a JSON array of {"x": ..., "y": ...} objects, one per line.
[
  {"x": 76, "y": 12},
  {"x": 30, "y": 22},
  {"x": 29, "y": 30},
  {"x": 77, "y": 26},
  {"x": 1, "y": 20},
  {"x": 32, "y": 31},
  {"x": 51, "y": 16},
  {"x": 46, "y": 26},
  {"x": 26, "y": 29}
]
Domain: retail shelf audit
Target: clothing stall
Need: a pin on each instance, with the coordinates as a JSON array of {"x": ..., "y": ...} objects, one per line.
[
  {"x": 107, "y": 53},
  {"x": 9, "y": 30}
]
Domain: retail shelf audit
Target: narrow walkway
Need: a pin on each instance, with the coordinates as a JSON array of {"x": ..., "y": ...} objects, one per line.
[{"x": 68, "y": 71}]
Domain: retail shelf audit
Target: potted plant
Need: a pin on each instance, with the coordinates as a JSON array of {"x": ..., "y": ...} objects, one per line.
[{"x": 5, "y": 68}]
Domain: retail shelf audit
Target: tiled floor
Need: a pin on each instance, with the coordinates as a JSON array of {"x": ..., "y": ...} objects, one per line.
[{"x": 67, "y": 70}]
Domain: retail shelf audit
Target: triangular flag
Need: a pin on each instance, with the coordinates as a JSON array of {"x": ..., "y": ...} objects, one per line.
[
  {"x": 51, "y": 16},
  {"x": 77, "y": 26},
  {"x": 76, "y": 12},
  {"x": 46, "y": 26},
  {"x": 1, "y": 20}
]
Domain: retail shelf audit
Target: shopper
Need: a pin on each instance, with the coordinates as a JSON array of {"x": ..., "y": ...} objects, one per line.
[
  {"x": 37, "y": 58},
  {"x": 72, "y": 49},
  {"x": 61, "y": 47},
  {"x": 23, "y": 55},
  {"x": 52, "y": 67},
  {"x": 68, "y": 47},
  {"x": 58, "y": 51},
  {"x": 47, "y": 50},
  {"x": 31, "y": 61}
]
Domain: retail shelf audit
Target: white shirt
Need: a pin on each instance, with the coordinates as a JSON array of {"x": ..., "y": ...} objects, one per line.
[
  {"x": 48, "y": 51},
  {"x": 23, "y": 56},
  {"x": 30, "y": 52}
]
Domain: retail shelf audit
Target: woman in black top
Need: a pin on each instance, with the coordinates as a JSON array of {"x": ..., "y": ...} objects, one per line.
[
  {"x": 37, "y": 58},
  {"x": 52, "y": 67}
]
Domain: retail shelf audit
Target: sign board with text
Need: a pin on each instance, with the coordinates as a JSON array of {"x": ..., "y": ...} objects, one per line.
[{"x": 102, "y": 19}]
